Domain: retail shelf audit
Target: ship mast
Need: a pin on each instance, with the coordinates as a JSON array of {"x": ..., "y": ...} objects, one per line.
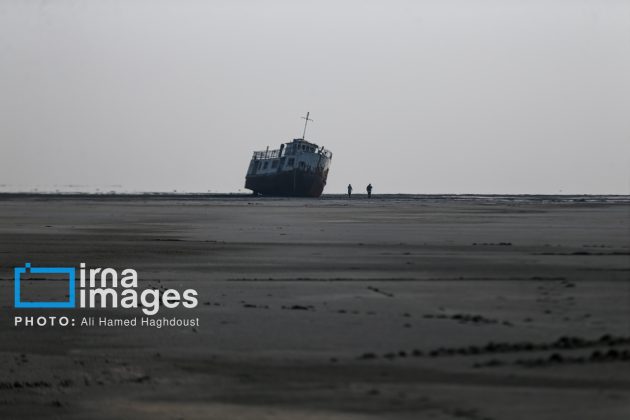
[{"x": 305, "y": 124}]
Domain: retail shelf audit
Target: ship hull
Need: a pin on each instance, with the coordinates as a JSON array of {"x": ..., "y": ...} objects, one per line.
[{"x": 294, "y": 183}]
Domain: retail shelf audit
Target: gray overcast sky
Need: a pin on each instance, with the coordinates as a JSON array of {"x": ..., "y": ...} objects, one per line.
[{"x": 413, "y": 96}]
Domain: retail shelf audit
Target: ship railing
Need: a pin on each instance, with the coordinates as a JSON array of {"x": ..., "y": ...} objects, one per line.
[
  {"x": 267, "y": 154},
  {"x": 274, "y": 154}
]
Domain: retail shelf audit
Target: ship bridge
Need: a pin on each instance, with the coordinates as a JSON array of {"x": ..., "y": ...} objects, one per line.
[{"x": 296, "y": 147}]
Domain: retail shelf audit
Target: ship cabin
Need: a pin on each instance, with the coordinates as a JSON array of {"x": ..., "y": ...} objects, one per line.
[{"x": 298, "y": 154}]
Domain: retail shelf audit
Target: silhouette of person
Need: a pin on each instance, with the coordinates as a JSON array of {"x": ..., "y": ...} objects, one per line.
[
  {"x": 369, "y": 190},
  {"x": 349, "y": 190}
]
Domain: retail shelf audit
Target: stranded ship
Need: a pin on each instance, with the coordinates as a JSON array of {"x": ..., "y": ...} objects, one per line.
[{"x": 297, "y": 169}]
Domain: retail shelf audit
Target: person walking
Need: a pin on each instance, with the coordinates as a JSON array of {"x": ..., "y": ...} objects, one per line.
[
  {"x": 369, "y": 190},
  {"x": 349, "y": 190}
]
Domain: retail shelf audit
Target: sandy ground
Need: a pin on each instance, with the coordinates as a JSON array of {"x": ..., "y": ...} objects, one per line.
[{"x": 329, "y": 309}]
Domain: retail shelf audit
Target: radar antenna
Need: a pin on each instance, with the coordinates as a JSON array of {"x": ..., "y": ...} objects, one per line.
[{"x": 305, "y": 124}]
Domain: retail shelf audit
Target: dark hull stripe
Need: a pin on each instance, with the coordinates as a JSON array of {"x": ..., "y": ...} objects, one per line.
[{"x": 288, "y": 184}]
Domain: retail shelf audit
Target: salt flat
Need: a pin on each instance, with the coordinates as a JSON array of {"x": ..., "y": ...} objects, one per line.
[{"x": 434, "y": 307}]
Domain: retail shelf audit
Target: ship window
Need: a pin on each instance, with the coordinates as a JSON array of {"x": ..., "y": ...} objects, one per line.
[
  {"x": 291, "y": 162},
  {"x": 274, "y": 164},
  {"x": 265, "y": 165}
]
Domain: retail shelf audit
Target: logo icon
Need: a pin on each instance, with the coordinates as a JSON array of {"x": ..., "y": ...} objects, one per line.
[{"x": 69, "y": 271}]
